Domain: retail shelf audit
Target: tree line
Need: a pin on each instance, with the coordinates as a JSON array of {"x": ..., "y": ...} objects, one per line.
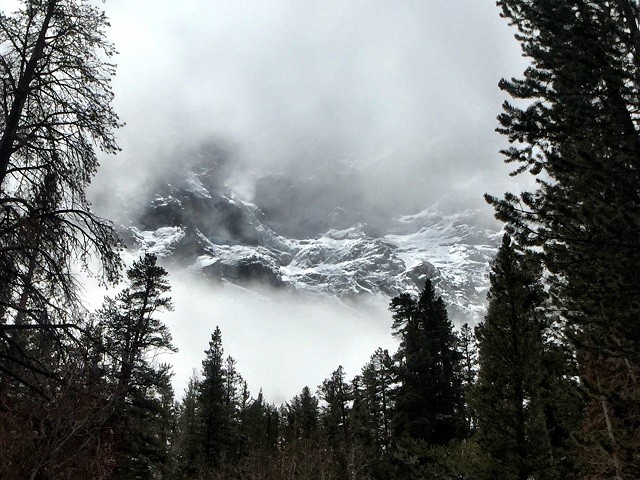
[
  {"x": 546, "y": 386},
  {"x": 503, "y": 401}
]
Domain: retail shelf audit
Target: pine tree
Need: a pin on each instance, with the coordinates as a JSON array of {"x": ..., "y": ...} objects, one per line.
[
  {"x": 216, "y": 429},
  {"x": 377, "y": 380},
  {"x": 132, "y": 334},
  {"x": 468, "y": 349},
  {"x": 165, "y": 429},
  {"x": 578, "y": 134},
  {"x": 260, "y": 426},
  {"x": 337, "y": 395},
  {"x": 518, "y": 378},
  {"x": 55, "y": 109},
  {"x": 236, "y": 394},
  {"x": 61, "y": 431},
  {"x": 429, "y": 404},
  {"x": 304, "y": 451},
  {"x": 372, "y": 413},
  {"x": 186, "y": 448},
  {"x": 130, "y": 327},
  {"x": 302, "y": 416}
]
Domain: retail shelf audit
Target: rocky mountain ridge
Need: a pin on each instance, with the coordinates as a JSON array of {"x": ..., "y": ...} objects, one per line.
[{"x": 208, "y": 229}]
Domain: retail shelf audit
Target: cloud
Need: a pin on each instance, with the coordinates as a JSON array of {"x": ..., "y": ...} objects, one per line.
[
  {"x": 405, "y": 92},
  {"x": 282, "y": 341}
]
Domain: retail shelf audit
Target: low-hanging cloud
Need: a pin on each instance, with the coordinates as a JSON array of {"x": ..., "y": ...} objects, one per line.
[
  {"x": 281, "y": 340},
  {"x": 404, "y": 92}
]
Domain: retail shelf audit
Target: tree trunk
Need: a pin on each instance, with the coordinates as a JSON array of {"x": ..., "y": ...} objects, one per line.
[
  {"x": 612, "y": 438},
  {"x": 8, "y": 139},
  {"x": 26, "y": 292}
]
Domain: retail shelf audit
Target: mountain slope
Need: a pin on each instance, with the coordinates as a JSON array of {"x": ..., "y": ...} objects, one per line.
[{"x": 209, "y": 230}]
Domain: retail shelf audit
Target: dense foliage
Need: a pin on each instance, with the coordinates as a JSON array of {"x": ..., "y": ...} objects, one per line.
[{"x": 575, "y": 128}]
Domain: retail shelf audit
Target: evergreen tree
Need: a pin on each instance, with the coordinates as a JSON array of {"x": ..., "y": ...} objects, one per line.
[
  {"x": 377, "y": 382},
  {"x": 260, "y": 426},
  {"x": 236, "y": 394},
  {"x": 186, "y": 448},
  {"x": 515, "y": 418},
  {"x": 468, "y": 350},
  {"x": 301, "y": 416},
  {"x": 578, "y": 133},
  {"x": 429, "y": 405},
  {"x": 372, "y": 414},
  {"x": 132, "y": 334},
  {"x": 304, "y": 451},
  {"x": 62, "y": 429},
  {"x": 55, "y": 108},
  {"x": 130, "y": 327},
  {"x": 337, "y": 395},
  {"x": 215, "y": 413}
]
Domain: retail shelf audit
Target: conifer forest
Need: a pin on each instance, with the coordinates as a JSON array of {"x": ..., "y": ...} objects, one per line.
[{"x": 545, "y": 386}]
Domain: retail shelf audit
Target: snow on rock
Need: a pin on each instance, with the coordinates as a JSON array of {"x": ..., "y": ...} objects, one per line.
[
  {"x": 160, "y": 242},
  {"x": 192, "y": 184},
  {"x": 228, "y": 239},
  {"x": 343, "y": 262}
]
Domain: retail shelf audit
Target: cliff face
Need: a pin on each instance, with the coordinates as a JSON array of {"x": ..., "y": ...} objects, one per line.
[{"x": 206, "y": 228}]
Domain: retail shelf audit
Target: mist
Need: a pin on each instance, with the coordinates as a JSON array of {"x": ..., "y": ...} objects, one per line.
[
  {"x": 281, "y": 340},
  {"x": 404, "y": 95}
]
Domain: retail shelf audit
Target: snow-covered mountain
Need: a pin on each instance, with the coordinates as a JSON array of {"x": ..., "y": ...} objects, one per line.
[{"x": 202, "y": 226}]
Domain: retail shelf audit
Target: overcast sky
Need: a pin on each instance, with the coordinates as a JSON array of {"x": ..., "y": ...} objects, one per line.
[{"x": 405, "y": 91}]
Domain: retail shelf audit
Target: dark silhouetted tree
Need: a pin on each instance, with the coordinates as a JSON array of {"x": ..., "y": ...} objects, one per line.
[
  {"x": 336, "y": 412},
  {"x": 468, "y": 348},
  {"x": 217, "y": 433},
  {"x": 55, "y": 109},
  {"x": 186, "y": 448},
  {"x": 372, "y": 413},
  {"x": 429, "y": 405},
  {"x": 575, "y": 127},
  {"x": 518, "y": 379},
  {"x": 132, "y": 335}
]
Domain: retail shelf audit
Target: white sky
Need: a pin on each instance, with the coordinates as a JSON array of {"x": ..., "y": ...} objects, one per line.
[{"x": 406, "y": 89}]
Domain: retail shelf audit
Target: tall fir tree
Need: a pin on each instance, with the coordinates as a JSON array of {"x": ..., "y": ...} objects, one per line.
[
  {"x": 260, "y": 430},
  {"x": 236, "y": 395},
  {"x": 132, "y": 334},
  {"x": 372, "y": 413},
  {"x": 576, "y": 130},
  {"x": 336, "y": 421},
  {"x": 377, "y": 382},
  {"x": 55, "y": 109},
  {"x": 186, "y": 448},
  {"x": 429, "y": 405},
  {"x": 304, "y": 451},
  {"x": 260, "y": 426},
  {"x": 302, "y": 417},
  {"x": 515, "y": 417},
  {"x": 467, "y": 347},
  {"x": 216, "y": 429}
]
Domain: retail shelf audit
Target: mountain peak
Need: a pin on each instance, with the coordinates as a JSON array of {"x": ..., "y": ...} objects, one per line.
[{"x": 207, "y": 229}]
